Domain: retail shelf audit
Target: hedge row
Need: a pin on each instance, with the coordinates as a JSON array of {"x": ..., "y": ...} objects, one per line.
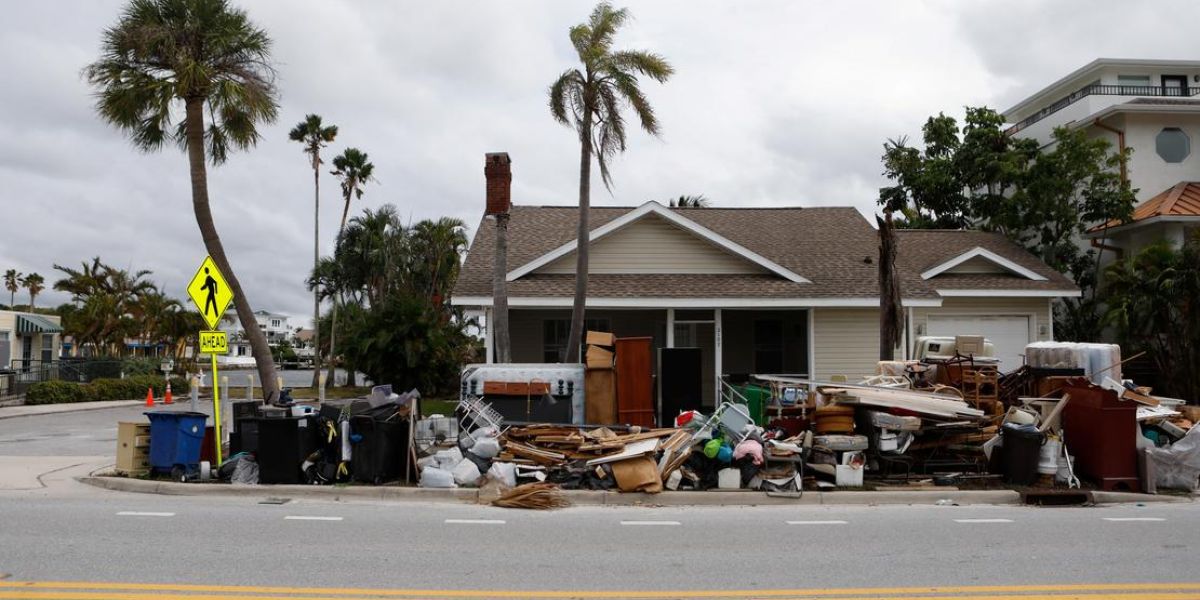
[{"x": 130, "y": 388}]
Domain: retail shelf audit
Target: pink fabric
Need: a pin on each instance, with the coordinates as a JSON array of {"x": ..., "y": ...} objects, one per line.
[{"x": 750, "y": 447}]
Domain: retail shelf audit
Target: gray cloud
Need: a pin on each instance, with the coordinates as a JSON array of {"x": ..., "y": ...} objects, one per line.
[{"x": 774, "y": 103}]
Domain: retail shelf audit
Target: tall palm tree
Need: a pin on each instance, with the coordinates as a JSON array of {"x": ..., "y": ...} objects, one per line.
[
  {"x": 209, "y": 57},
  {"x": 315, "y": 135},
  {"x": 590, "y": 100},
  {"x": 35, "y": 284},
  {"x": 12, "y": 283},
  {"x": 354, "y": 170}
]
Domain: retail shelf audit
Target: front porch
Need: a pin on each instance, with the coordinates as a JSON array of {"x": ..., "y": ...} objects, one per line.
[{"x": 733, "y": 342}]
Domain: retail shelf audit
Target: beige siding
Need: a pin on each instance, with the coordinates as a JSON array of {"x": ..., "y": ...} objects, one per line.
[
  {"x": 845, "y": 342},
  {"x": 1038, "y": 308},
  {"x": 652, "y": 245}
]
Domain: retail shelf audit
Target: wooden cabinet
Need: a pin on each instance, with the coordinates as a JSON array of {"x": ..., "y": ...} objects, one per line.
[
  {"x": 133, "y": 447},
  {"x": 635, "y": 384}
]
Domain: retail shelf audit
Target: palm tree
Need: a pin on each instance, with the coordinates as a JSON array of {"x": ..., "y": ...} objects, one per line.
[
  {"x": 352, "y": 168},
  {"x": 12, "y": 283},
  {"x": 315, "y": 135},
  {"x": 203, "y": 54},
  {"x": 590, "y": 100},
  {"x": 35, "y": 284},
  {"x": 689, "y": 201}
]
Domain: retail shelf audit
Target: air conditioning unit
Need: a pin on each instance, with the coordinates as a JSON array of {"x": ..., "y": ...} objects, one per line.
[{"x": 931, "y": 347}]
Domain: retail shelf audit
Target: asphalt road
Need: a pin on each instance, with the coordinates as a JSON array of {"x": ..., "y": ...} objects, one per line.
[
  {"x": 117, "y": 537},
  {"x": 83, "y": 433}
]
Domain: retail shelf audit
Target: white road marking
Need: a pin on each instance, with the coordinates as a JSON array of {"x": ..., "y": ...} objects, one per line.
[
  {"x": 650, "y": 522},
  {"x": 134, "y": 513},
  {"x": 474, "y": 521},
  {"x": 816, "y": 522},
  {"x": 310, "y": 518},
  {"x": 983, "y": 520},
  {"x": 1122, "y": 519}
]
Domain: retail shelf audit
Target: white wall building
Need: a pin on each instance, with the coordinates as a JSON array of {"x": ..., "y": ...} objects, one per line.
[
  {"x": 29, "y": 339},
  {"x": 275, "y": 326},
  {"x": 1149, "y": 106}
]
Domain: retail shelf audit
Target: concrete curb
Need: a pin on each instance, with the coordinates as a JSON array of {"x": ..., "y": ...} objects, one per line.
[
  {"x": 577, "y": 497},
  {"x": 12, "y": 412},
  {"x": 1102, "y": 497}
]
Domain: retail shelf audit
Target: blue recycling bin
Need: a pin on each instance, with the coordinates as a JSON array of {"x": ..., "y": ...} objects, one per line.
[{"x": 175, "y": 440}]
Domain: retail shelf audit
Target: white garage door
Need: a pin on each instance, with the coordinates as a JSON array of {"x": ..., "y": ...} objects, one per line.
[{"x": 1008, "y": 334}]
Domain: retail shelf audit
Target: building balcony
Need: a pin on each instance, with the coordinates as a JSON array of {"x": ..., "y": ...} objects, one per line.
[{"x": 1130, "y": 91}]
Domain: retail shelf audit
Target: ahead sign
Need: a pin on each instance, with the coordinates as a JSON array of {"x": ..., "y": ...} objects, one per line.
[
  {"x": 210, "y": 293},
  {"x": 214, "y": 342}
]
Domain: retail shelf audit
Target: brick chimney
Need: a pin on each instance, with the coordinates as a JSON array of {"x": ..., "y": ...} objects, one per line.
[{"x": 497, "y": 167}]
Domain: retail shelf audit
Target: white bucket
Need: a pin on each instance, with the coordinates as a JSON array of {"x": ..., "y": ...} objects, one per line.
[{"x": 1048, "y": 462}]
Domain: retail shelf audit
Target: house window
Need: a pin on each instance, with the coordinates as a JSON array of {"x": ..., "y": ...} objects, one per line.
[
  {"x": 556, "y": 331},
  {"x": 768, "y": 346},
  {"x": 1134, "y": 85},
  {"x": 274, "y": 322},
  {"x": 1172, "y": 145},
  {"x": 47, "y": 347}
]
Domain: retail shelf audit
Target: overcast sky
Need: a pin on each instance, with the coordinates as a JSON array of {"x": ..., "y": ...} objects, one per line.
[{"x": 777, "y": 103}]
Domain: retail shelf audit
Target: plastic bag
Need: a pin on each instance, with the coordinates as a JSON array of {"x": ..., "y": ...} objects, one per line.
[
  {"x": 433, "y": 477},
  {"x": 486, "y": 447},
  {"x": 466, "y": 473},
  {"x": 505, "y": 473},
  {"x": 1178, "y": 465},
  {"x": 448, "y": 459},
  {"x": 245, "y": 473}
]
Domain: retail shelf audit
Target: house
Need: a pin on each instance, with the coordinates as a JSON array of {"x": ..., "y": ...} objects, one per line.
[
  {"x": 273, "y": 325},
  {"x": 1149, "y": 106},
  {"x": 29, "y": 339},
  {"x": 759, "y": 290}
]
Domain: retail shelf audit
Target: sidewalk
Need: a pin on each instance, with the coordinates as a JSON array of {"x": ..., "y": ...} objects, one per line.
[
  {"x": 596, "y": 498},
  {"x": 9, "y": 412}
]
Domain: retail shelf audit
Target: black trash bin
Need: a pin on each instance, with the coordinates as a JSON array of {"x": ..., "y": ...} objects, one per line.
[
  {"x": 283, "y": 445},
  {"x": 381, "y": 449},
  {"x": 1020, "y": 453}
]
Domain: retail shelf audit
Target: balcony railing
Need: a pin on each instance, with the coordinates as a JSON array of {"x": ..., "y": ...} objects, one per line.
[{"x": 1104, "y": 90}]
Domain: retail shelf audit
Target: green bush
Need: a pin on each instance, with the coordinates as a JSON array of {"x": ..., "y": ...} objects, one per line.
[
  {"x": 142, "y": 366},
  {"x": 130, "y": 388},
  {"x": 55, "y": 392}
]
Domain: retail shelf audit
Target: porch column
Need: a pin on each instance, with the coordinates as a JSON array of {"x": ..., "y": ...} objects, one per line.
[
  {"x": 487, "y": 335},
  {"x": 717, "y": 355},
  {"x": 670, "y": 328},
  {"x": 908, "y": 324}
]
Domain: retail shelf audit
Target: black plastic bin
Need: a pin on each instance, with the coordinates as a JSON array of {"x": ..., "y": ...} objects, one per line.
[
  {"x": 283, "y": 445},
  {"x": 1020, "y": 453},
  {"x": 381, "y": 451}
]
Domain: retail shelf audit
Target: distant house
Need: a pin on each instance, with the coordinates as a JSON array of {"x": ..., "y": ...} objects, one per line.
[
  {"x": 29, "y": 339},
  {"x": 275, "y": 326},
  {"x": 1149, "y": 106},
  {"x": 759, "y": 290}
]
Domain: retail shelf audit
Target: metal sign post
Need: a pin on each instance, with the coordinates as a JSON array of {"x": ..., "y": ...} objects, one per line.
[{"x": 211, "y": 294}]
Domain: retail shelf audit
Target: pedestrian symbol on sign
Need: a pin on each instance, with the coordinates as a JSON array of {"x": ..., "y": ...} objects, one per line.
[{"x": 210, "y": 284}]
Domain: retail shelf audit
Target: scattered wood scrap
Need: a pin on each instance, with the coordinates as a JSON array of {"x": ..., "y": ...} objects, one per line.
[{"x": 537, "y": 496}]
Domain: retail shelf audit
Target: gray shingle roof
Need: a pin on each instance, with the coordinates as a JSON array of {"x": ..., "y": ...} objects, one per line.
[{"x": 833, "y": 247}]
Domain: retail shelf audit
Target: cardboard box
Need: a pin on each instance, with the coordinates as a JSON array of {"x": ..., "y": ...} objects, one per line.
[
  {"x": 637, "y": 475},
  {"x": 600, "y": 338},
  {"x": 599, "y": 358}
]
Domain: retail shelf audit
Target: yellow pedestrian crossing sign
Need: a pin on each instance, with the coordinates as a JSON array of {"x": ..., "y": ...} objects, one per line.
[
  {"x": 214, "y": 342},
  {"x": 210, "y": 293}
]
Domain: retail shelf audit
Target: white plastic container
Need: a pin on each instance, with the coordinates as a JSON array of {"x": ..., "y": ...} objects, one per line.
[
  {"x": 1048, "y": 461},
  {"x": 729, "y": 479}
]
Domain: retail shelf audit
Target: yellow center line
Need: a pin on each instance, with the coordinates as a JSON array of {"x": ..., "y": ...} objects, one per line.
[{"x": 91, "y": 591}]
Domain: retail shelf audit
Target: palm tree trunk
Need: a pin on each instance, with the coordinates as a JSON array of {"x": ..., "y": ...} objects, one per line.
[
  {"x": 316, "y": 380},
  {"x": 500, "y": 293},
  {"x": 581, "y": 249},
  {"x": 212, "y": 242},
  {"x": 890, "y": 310},
  {"x": 334, "y": 320}
]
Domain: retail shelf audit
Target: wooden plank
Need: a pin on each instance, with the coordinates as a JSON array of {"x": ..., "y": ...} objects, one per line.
[{"x": 600, "y": 396}]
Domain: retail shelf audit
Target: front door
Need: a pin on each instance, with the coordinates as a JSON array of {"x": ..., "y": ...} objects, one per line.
[
  {"x": 701, "y": 334},
  {"x": 1174, "y": 85},
  {"x": 26, "y": 351}
]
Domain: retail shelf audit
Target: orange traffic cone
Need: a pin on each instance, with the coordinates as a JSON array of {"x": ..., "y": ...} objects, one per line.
[
  {"x": 167, "y": 399},
  {"x": 149, "y": 396}
]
